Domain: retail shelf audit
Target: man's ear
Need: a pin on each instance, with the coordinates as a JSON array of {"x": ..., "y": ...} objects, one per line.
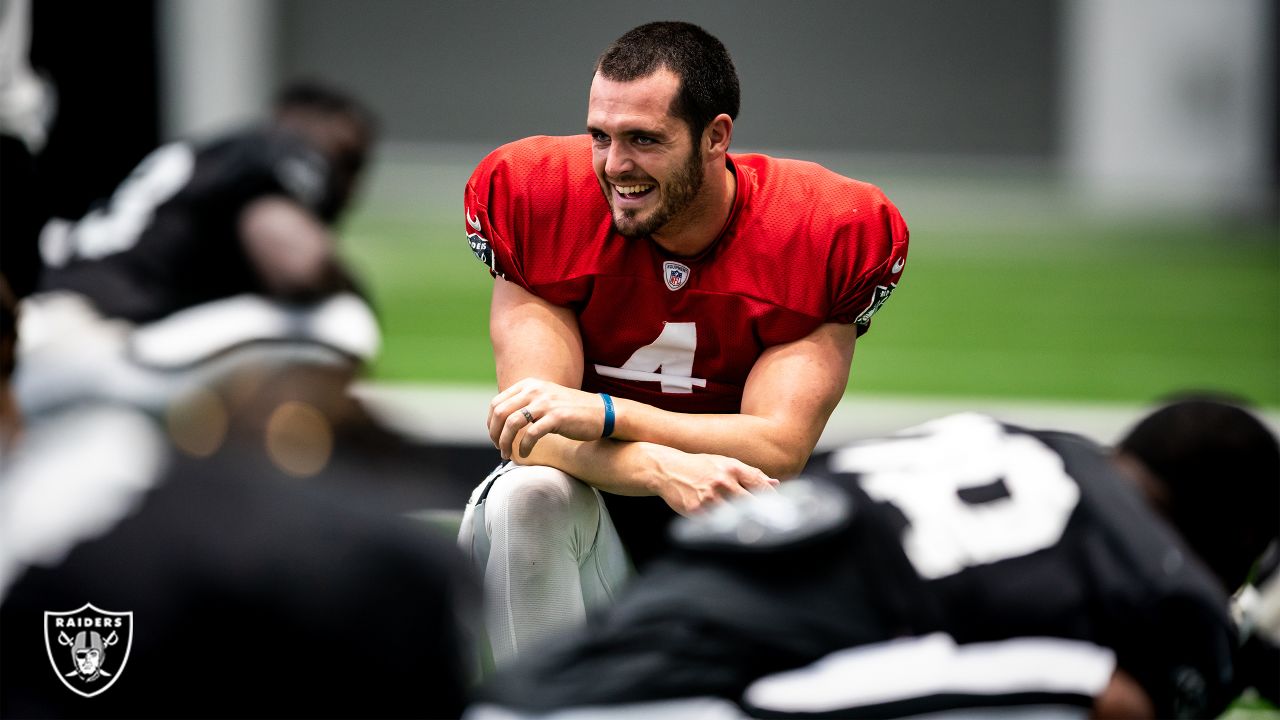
[{"x": 717, "y": 136}]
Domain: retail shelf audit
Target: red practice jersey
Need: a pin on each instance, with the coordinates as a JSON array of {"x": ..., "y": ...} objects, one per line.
[{"x": 803, "y": 246}]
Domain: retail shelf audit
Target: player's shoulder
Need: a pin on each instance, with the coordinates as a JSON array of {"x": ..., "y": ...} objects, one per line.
[
  {"x": 802, "y": 182},
  {"x": 825, "y": 210},
  {"x": 1135, "y": 552},
  {"x": 256, "y": 145},
  {"x": 540, "y": 160},
  {"x": 540, "y": 185},
  {"x": 260, "y": 159},
  {"x": 541, "y": 176}
]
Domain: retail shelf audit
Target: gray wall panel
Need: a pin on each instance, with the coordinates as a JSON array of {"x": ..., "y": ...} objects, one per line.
[{"x": 911, "y": 76}]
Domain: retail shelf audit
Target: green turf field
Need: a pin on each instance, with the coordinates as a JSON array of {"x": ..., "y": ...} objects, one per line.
[{"x": 1090, "y": 311}]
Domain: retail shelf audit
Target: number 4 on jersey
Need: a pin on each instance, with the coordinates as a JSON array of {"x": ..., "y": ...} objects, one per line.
[{"x": 667, "y": 360}]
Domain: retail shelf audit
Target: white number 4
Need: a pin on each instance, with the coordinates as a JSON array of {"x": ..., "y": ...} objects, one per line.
[{"x": 667, "y": 360}]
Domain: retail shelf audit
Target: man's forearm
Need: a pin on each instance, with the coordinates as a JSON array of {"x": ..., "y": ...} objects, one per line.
[
  {"x": 786, "y": 401},
  {"x": 621, "y": 468},
  {"x": 788, "y": 398},
  {"x": 779, "y": 449},
  {"x": 688, "y": 482},
  {"x": 530, "y": 412}
]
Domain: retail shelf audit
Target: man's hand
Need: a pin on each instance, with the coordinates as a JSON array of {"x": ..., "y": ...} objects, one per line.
[
  {"x": 554, "y": 408},
  {"x": 690, "y": 483}
]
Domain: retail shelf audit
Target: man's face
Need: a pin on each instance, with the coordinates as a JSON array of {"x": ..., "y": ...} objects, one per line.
[{"x": 648, "y": 167}]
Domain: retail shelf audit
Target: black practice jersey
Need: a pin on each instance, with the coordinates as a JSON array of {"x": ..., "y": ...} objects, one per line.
[
  {"x": 961, "y": 563},
  {"x": 168, "y": 237},
  {"x": 216, "y": 588}
]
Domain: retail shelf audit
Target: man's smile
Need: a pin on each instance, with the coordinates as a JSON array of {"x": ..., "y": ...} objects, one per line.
[{"x": 633, "y": 191}]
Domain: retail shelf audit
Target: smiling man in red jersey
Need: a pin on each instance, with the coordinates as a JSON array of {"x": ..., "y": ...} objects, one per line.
[{"x": 672, "y": 325}]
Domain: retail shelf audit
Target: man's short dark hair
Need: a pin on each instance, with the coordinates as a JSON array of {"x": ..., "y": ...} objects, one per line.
[
  {"x": 1221, "y": 467},
  {"x": 319, "y": 97},
  {"x": 708, "y": 80}
]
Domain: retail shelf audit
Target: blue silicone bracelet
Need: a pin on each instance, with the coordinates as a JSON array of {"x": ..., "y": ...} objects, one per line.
[{"x": 608, "y": 415}]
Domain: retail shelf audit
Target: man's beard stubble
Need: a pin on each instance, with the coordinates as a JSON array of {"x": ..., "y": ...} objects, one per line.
[{"x": 680, "y": 190}]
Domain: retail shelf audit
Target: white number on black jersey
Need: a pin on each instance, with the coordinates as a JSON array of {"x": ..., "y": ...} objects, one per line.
[{"x": 972, "y": 492}]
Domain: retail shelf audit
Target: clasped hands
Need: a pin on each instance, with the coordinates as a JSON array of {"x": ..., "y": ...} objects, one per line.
[
  {"x": 688, "y": 482},
  {"x": 540, "y": 407}
]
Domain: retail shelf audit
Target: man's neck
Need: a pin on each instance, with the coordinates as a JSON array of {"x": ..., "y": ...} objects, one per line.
[{"x": 704, "y": 220}]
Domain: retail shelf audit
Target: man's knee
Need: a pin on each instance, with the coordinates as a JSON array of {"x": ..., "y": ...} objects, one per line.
[{"x": 535, "y": 495}]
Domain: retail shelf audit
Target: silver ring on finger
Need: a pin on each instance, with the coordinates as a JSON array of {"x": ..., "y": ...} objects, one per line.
[{"x": 528, "y": 416}]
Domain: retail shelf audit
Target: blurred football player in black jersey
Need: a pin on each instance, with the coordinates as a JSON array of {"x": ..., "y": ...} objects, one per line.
[
  {"x": 202, "y": 248},
  {"x": 960, "y": 566},
  {"x": 249, "y": 212}
]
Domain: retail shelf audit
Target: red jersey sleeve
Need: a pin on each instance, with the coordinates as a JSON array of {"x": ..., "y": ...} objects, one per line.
[
  {"x": 536, "y": 217},
  {"x": 869, "y": 255},
  {"x": 487, "y": 204}
]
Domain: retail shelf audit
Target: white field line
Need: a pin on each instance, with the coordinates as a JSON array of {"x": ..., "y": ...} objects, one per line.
[{"x": 455, "y": 414}]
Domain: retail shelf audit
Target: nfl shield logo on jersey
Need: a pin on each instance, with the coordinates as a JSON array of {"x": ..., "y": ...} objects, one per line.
[
  {"x": 675, "y": 274},
  {"x": 88, "y": 647}
]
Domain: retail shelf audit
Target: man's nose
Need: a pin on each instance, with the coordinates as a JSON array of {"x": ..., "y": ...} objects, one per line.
[{"x": 618, "y": 160}]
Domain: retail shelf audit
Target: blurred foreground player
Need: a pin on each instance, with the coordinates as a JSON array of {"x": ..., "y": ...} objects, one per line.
[
  {"x": 248, "y": 212},
  {"x": 960, "y": 564},
  {"x": 265, "y": 567},
  {"x": 242, "y": 223}
]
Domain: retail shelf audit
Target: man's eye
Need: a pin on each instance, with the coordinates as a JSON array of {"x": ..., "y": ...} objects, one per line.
[
  {"x": 642, "y": 140},
  {"x": 600, "y": 138}
]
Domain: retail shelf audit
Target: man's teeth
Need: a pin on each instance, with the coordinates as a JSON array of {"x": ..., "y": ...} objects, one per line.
[{"x": 632, "y": 189}]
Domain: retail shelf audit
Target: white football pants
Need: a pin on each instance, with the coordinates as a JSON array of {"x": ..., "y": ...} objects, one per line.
[{"x": 548, "y": 553}]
